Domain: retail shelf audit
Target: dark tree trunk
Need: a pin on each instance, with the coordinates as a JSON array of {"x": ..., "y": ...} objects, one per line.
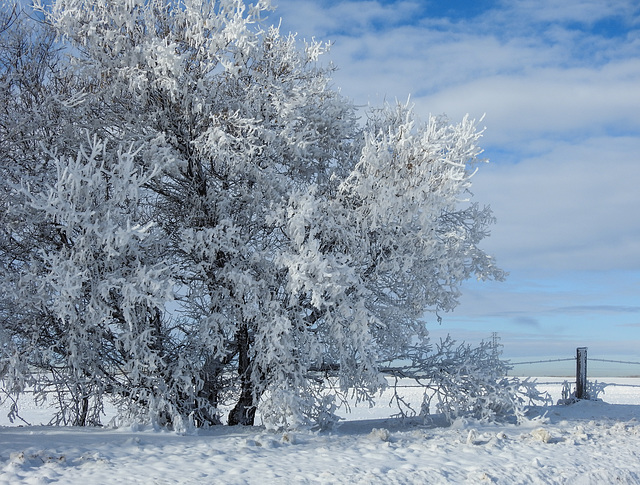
[
  {"x": 210, "y": 392},
  {"x": 244, "y": 411},
  {"x": 81, "y": 418}
]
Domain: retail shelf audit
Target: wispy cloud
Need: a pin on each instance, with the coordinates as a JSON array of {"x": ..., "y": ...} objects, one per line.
[
  {"x": 587, "y": 12},
  {"x": 537, "y": 72},
  {"x": 582, "y": 309},
  {"x": 526, "y": 321},
  {"x": 559, "y": 100},
  {"x": 570, "y": 208}
]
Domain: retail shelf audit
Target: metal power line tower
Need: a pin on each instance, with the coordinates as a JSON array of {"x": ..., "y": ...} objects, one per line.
[{"x": 495, "y": 345}]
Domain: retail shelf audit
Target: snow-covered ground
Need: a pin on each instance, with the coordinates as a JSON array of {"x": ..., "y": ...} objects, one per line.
[{"x": 587, "y": 442}]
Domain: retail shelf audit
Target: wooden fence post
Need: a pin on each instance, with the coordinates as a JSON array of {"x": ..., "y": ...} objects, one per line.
[{"x": 581, "y": 373}]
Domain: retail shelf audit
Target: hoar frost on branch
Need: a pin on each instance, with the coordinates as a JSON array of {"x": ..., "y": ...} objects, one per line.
[
  {"x": 99, "y": 301},
  {"x": 461, "y": 381},
  {"x": 220, "y": 227}
]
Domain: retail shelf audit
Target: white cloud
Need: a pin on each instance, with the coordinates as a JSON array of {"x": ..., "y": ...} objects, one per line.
[
  {"x": 574, "y": 208},
  {"x": 584, "y": 11},
  {"x": 549, "y": 104},
  {"x": 560, "y": 101},
  {"x": 529, "y": 83}
]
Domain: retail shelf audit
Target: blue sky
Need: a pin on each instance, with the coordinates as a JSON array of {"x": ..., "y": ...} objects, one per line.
[{"x": 558, "y": 84}]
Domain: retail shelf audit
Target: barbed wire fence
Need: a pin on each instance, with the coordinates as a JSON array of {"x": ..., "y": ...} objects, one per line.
[
  {"x": 615, "y": 361},
  {"x": 573, "y": 359},
  {"x": 578, "y": 370},
  {"x": 543, "y": 361}
]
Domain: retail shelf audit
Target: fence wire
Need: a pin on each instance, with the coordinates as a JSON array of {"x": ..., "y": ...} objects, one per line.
[
  {"x": 542, "y": 361},
  {"x": 613, "y": 361},
  {"x": 589, "y": 359},
  {"x": 568, "y": 359}
]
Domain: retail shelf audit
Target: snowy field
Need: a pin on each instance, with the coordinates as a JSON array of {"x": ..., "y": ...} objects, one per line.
[{"x": 586, "y": 443}]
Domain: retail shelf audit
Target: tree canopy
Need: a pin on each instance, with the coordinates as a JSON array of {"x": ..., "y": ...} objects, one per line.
[{"x": 194, "y": 218}]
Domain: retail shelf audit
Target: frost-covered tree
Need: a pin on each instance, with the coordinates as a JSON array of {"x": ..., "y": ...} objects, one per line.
[
  {"x": 27, "y": 60},
  {"x": 100, "y": 298},
  {"x": 28, "y": 120},
  {"x": 297, "y": 239}
]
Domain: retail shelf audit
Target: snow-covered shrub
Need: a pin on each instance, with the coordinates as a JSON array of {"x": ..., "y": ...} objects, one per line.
[
  {"x": 465, "y": 381},
  {"x": 593, "y": 391}
]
